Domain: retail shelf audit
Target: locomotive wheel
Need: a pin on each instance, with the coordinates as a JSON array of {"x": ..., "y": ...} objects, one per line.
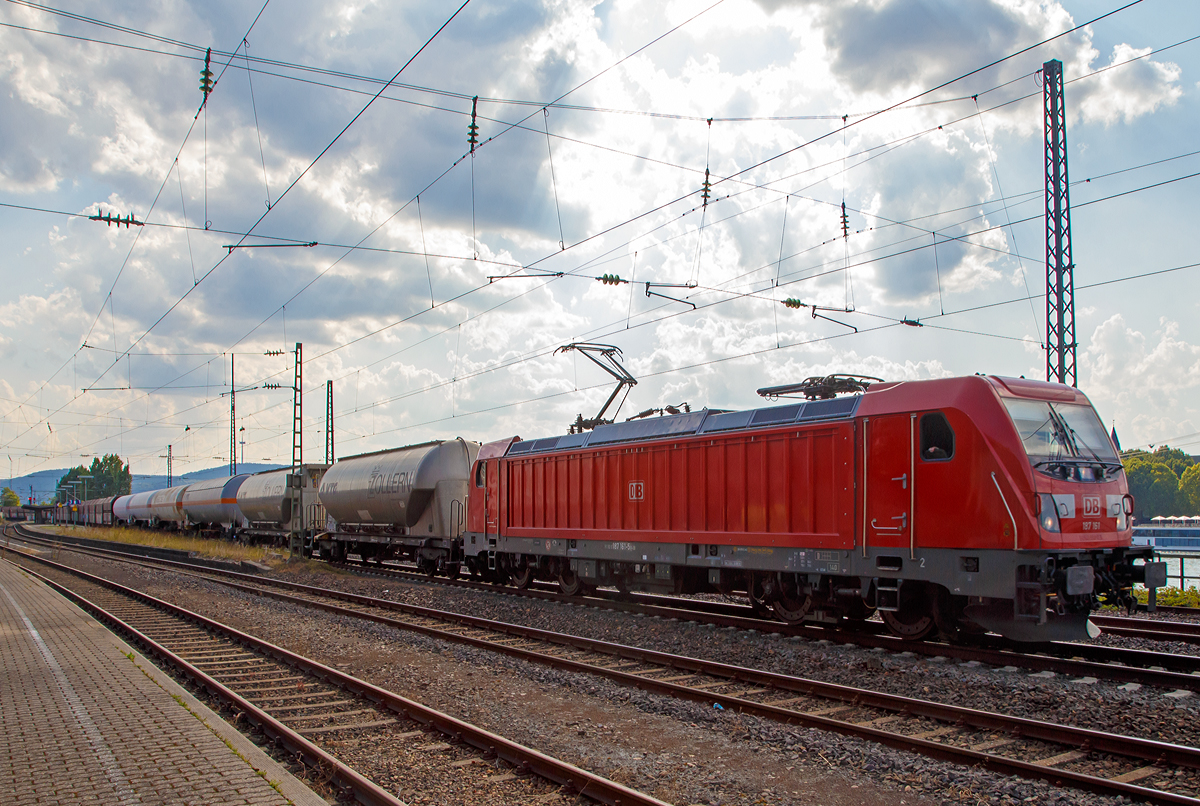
[
  {"x": 912, "y": 625},
  {"x": 522, "y": 577},
  {"x": 912, "y": 621},
  {"x": 792, "y": 610},
  {"x": 570, "y": 583}
]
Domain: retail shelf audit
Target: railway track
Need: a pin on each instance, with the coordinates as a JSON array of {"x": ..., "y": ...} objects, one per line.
[
  {"x": 1141, "y": 769},
  {"x": 1149, "y": 629},
  {"x": 1186, "y": 632},
  {"x": 1171, "y": 671},
  {"x": 301, "y": 704},
  {"x": 1119, "y": 664}
]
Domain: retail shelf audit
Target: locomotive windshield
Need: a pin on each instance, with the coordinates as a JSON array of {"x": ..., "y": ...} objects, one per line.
[{"x": 1064, "y": 438}]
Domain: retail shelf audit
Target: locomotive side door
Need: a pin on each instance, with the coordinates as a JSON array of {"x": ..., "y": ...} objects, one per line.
[{"x": 888, "y": 492}]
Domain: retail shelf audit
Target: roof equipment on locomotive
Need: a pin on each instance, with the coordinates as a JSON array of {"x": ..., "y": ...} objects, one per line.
[
  {"x": 605, "y": 357},
  {"x": 821, "y": 388}
]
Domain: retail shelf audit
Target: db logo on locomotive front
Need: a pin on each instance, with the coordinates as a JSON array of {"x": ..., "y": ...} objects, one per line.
[{"x": 1091, "y": 506}]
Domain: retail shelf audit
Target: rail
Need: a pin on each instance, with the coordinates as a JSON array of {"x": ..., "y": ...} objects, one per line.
[
  {"x": 574, "y": 778},
  {"x": 966, "y": 736}
]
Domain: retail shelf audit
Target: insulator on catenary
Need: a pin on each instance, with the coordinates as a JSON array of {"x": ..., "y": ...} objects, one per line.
[
  {"x": 845, "y": 222},
  {"x": 206, "y": 75},
  {"x": 473, "y": 128},
  {"x": 793, "y": 303},
  {"x": 706, "y": 193},
  {"x": 611, "y": 279}
]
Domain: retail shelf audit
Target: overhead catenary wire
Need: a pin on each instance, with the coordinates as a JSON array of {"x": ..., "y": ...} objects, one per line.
[
  {"x": 377, "y": 95},
  {"x": 1106, "y": 198},
  {"x": 285, "y": 192},
  {"x": 166, "y": 176}
]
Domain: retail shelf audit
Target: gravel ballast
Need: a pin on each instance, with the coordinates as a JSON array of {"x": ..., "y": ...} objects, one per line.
[{"x": 681, "y": 752}]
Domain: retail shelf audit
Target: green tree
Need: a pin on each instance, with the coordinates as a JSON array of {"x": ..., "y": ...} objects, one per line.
[
  {"x": 1154, "y": 487},
  {"x": 9, "y": 498},
  {"x": 1173, "y": 458},
  {"x": 1188, "y": 497},
  {"x": 109, "y": 476}
]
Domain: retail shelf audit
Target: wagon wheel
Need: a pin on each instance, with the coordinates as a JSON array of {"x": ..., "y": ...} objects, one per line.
[
  {"x": 570, "y": 583},
  {"x": 792, "y": 610},
  {"x": 522, "y": 576},
  {"x": 914, "y": 618}
]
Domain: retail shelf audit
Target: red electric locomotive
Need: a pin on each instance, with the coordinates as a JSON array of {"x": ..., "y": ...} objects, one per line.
[{"x": 962, "y": 504}]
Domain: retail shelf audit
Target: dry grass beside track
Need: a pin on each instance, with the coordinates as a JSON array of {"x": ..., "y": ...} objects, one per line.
[{"x": 202, "y": 546}]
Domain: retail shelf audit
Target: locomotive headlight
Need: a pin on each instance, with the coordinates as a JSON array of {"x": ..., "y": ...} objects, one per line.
[{"x": 1048, "y": 516}]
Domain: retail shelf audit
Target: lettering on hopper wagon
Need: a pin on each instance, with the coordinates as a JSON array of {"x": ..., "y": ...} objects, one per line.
[{"x": 398, "y": 483}]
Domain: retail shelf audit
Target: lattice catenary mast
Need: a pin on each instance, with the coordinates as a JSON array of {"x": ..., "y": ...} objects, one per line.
[
  {"x": 1060, "y": 270},
  {"x": 328, "y": 422},
  {"x": 297, "y": 413}
]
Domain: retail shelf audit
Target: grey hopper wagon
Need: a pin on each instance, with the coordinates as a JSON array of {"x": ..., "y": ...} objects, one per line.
[
  {"x": 281, "y": 506},
  {"x": 406, "y": 503}
]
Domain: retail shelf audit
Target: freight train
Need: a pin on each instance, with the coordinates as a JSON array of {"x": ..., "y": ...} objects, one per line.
[{"x": 958, "y": 505}]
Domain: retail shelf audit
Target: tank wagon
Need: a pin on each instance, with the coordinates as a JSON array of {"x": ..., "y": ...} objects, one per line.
[
  {"x": 407, "y": 503},
  {"x": 211, "y": 505},
  {"x": 134, "y": 509},
  {"x": 960, "y": 504},
  {"x": 166, "y": 506}
]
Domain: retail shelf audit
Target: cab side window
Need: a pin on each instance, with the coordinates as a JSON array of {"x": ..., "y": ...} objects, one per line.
[
  {"x": 937, "y": 438},
  {"x": 480, "y": 473}
]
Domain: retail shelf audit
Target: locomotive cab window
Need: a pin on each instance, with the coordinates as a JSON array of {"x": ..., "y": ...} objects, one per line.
[
  {"x": 480, "y": 473},
  {"x": 937, "y": 438}
]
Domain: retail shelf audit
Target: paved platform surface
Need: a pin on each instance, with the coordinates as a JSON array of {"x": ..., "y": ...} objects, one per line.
[{"x": 82, "y": 722}]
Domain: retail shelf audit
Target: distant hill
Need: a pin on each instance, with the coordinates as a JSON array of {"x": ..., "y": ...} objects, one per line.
[{"x": 44, "y": 482}]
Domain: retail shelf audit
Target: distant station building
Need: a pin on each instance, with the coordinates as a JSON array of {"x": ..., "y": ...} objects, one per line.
[{"x": 38, "y": 513}]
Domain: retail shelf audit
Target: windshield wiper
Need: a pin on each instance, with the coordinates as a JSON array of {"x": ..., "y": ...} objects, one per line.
[{"x": 1062, "y": 431}]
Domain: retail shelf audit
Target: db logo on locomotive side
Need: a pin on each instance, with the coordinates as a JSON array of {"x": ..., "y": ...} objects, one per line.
[{"x": 637, "y": 490}]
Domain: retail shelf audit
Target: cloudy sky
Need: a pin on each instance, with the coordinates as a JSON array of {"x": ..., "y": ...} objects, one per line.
[{"x": 442, "y": 281}]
